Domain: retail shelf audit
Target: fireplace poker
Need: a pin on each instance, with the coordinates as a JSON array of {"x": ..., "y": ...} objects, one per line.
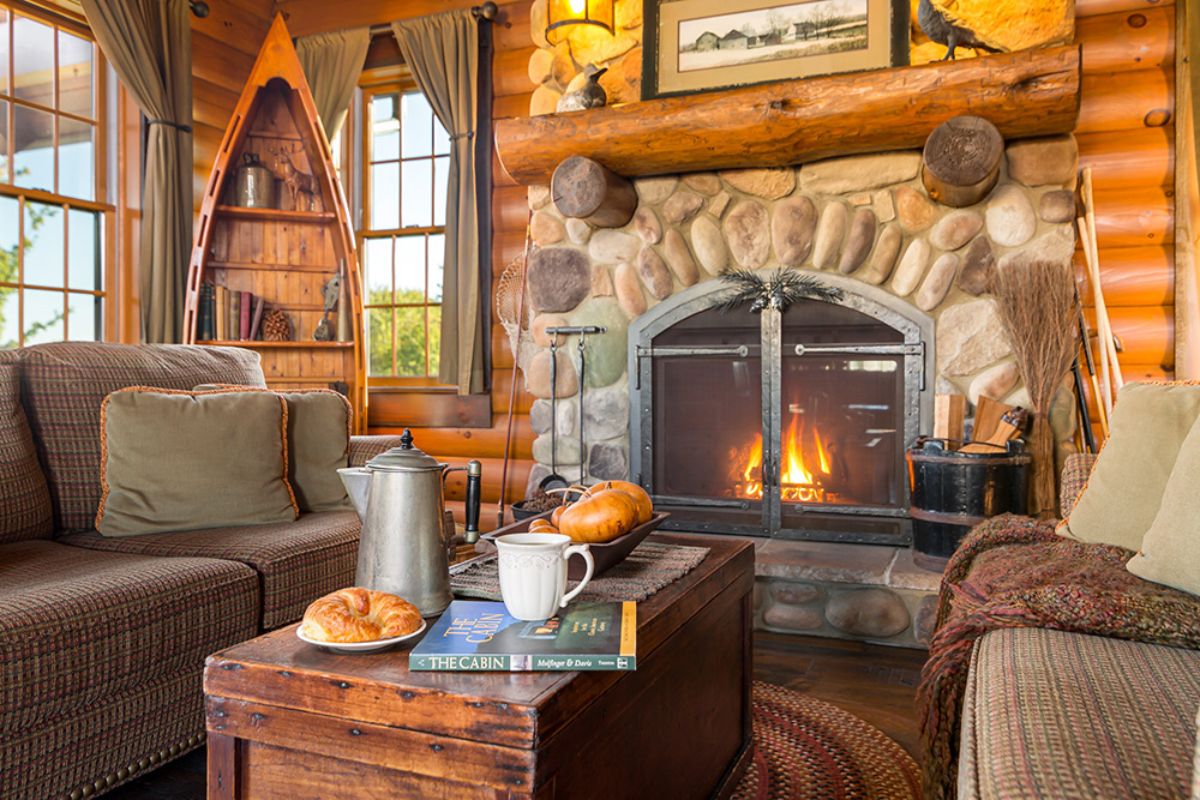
[
  {"x": 582, "y": 331},
  {"x": 553, "y": 480}
]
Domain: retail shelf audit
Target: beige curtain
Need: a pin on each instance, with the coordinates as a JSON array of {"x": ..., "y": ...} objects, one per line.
[
  {"x": 442, "y": 51},
  {"x": 332, "y": 63},
  {"x": 149, "y": 43}
]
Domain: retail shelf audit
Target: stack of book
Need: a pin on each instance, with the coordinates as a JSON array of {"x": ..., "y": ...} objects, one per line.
[{"x": 226, "y": 314}]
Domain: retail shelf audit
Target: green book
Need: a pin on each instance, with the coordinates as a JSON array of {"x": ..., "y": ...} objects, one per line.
[{"x": 480, "y": 636}]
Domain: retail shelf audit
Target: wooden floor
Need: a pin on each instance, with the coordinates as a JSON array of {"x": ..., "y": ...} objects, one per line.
[{"x": 877, "y": 684}]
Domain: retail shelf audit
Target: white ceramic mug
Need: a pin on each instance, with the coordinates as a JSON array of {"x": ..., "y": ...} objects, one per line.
[{"x": 533, "y": 573}]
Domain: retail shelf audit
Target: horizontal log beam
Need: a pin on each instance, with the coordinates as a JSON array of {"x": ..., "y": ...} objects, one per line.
[{"x": 1029, "y": 93}]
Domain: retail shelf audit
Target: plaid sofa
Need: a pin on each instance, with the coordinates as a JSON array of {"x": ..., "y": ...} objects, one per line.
[
  {"x": 1051, "y": 714},
  {"x": 102, "y": 641}
]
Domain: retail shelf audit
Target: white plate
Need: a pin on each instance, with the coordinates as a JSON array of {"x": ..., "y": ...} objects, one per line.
[{"x": 361, "y": 647}]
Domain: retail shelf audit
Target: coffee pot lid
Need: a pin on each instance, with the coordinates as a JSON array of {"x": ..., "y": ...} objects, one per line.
[{"x": 404, "y": 458}]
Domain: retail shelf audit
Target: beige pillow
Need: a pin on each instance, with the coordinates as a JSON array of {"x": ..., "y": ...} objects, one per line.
[
  {"x": 1123, "y": 493},
  {"x": 1170, "y": 552},
  {"x": 175, "y": 461},
  {"x": 319, "y": 423}
]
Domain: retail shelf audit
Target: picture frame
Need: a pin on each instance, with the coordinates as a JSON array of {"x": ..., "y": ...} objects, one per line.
[{"x": 695, "y": 46}]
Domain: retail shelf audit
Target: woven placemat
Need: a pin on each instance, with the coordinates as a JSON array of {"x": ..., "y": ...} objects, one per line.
[{"x": 650, "y": 567}]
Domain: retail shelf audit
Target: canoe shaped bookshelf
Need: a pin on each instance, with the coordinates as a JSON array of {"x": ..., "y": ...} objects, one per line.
[{"x": 283, "y": 244}]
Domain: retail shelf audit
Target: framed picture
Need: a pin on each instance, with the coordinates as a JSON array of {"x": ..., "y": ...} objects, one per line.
[{"x": 700, "y": 45}]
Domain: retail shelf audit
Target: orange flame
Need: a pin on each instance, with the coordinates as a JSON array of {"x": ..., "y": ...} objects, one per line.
[{"x": 800, "y": 481}]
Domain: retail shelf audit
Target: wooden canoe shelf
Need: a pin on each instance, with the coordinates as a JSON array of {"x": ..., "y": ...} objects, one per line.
[
  {"x": 276, "y": 214},
  {"x": 256, "y": 344},
  {"x": 1028, "y": 93}
]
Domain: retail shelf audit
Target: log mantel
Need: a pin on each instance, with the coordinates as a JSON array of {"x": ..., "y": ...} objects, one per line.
[{"x": 1029, "y": 93}]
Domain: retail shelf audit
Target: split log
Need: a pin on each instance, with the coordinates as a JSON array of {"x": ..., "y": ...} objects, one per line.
[
  {"x": 592, "y": 192},
  {"x": 961, "y": 161}
]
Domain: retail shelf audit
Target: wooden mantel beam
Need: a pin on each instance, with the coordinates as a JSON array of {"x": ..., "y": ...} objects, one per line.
[{"x": 1029, "y": 93}]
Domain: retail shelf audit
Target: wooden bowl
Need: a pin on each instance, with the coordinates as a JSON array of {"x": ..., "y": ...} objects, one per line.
[{"x": 605, "y": 555}]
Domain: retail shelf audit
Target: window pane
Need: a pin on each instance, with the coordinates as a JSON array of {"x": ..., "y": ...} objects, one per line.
[
  {"x": 378, "y": 257},
  {"x": 385, "y": 128},
  {"x": 441, "y": 171},
  {"x": 437, "y": 258},
  {"x": 435, "y": 338},
  {"x": 43, "y": 246},
  {"x": 33, "y": 156},
  {"x": 44, "y": 314},
  {"x": 76, "y": 177},
  {"x": 9, "y": 318},
  {"x": 441, "y": 139},
  {"x": 33, "y": 61},
  {"x": 10, "y": 234},
  {"x": 4, "y": 176},
  {"x": 83, "y": 252},
  {"x": 83, "y": 314},
  {"x": 410, "y": 342},
  {"x": 410, "y": 269},
  {"x": 74, "y": 74},
  {"x": 417, "y": 127},
  {"x": 4, "y": 24},
  {"x": 379, "y": 331},
  {"x": 417, "y": 193},
  {"x": 385, "y": 208}
]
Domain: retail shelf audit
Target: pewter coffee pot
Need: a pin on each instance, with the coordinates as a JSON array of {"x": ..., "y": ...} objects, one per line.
[{"x": 405, "y": 544}]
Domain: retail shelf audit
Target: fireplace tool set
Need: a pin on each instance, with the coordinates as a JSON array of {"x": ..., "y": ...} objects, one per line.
[{"x": 554, "y": 480}]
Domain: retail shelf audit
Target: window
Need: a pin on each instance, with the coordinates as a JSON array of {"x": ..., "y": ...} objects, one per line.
[
  {"x": 401, "y": 237},
  {"x": 53, "y": 285}
]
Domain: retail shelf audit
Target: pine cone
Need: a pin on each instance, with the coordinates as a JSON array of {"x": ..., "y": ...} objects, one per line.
[{"x": 277, "y": 327}]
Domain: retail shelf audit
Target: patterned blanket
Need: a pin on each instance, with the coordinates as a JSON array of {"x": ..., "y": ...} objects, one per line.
[{"x": 1015, "y": 572}]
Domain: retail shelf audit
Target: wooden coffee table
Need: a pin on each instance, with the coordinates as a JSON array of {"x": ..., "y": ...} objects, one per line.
[{"x": 287, "y": 720}]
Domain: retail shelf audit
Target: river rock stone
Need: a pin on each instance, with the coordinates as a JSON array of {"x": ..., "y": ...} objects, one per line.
[
  {"x": 578, "y": 231},
  {"x": 1057, "y": 206},
  {"x": 915, "y": 211},
  {"x": 647, "y": 226},
  {"x": 609, "y": 246},
  {"x": 567, "y": 450},
  {"x": 748, "y": 235},
  {"x": 1039, "y": 162},
  {"x": 623, "y": 80},
  {"x": 875, "y": 613},
  {"x": 538, "y": 195},
  {"x": 911, "y": 268},
  {"x": 769, "y": 184},
  {"x": 926, "y": 620},
  {"x": 955, "y": 229},
  {"x": 602, "y": 285},
  {"x": 606, "y": 411},
  {"x": 629, "y": 14},
  {"x": 679, "y": 258},
  {"x": 831, "y": 230},
  {"x": 709, "y": 245},
  {"x": 1010, "y": 218},
  {"x": 541, "y": 64},
  {"x": 537, "y": 328},
  {"x": 792, "y": 618},
  {"x": 1057, "y": 246},
  {"x": 969, "y": 338},
  {"x": 605, "y": 352},
  {"x": 537, "y": 376},
  {"x": 539, "y": 416},
  {"x": 559, "y": 278},
  {"x": 979, "y": 264},
  {"x": 879, "y": 267},
  {"x": 654, "y": 273},
  {"x": 538, "y": 20},
  {"x": 859, "y": 173},
  {"x": 705, "y": 183},
  {"x": 608, "y": 461},
  {"x": 655, "y": 190},
  {"x": 545, "y": 229},
  {"x": 629, "y": 290},
  {"x": 937, "y": 283},
  {"x": 793, "y": 222},
  {"x": 859, "y": 242},
  {"x": 544, "y": 100},
  {"x": 719, "y": 203},
  {"x": 884, "y": 205},
  {"x": 681, "y": 206},
  {"x": 994, "y": 382},
  {"x": 794, "y": 594}
]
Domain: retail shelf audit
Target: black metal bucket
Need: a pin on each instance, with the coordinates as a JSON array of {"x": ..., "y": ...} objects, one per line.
[{"x": 954, "y": 491}]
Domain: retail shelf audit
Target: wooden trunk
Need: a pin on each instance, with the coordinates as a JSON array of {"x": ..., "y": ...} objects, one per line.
[{"x": 285, "y": 254}]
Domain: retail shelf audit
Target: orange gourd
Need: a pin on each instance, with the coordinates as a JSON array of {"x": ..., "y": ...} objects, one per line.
[
  {"x": 645, "y": 505},
  {"x": 599, "y": 517}
]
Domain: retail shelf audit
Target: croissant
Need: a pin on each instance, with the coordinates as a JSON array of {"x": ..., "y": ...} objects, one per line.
[{"x": 359, "y": 615}]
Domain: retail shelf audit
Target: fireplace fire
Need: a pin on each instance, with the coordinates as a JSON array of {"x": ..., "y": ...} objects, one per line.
[{"x": 805, "y": 470}]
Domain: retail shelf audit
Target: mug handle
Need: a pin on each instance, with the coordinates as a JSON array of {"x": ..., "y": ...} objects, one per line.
[{"x": 581, "y": 550}]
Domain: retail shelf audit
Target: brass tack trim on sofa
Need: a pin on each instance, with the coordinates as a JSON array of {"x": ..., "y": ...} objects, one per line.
[{"x": 136, "y": 768}]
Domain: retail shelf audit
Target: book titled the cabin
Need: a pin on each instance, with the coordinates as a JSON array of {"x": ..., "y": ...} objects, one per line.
[{"x": 480, "y": 636}]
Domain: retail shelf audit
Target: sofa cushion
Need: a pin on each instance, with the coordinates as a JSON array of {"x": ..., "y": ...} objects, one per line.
[
  {"x": 297, "y": 562},
  {"x": 1049, "y": 714},
  {"x": 25, "y": 510},
  {"x": 79, "y": 626},
  {"x": 63, "y": 385}
]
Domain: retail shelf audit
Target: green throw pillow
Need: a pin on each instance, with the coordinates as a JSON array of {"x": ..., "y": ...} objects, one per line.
[
  {"x": 1170, "y": 552},
  {"x": 319, "y": 422},
  {"x": 176, "y": 461},
  {"x": 1149, "y": 424}
]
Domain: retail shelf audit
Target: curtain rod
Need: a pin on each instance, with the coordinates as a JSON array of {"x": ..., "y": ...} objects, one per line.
[{"x": 483, "y": 13}]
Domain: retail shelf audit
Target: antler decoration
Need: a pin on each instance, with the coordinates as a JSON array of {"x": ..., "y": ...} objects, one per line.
[{"x": 778, "y": 289}]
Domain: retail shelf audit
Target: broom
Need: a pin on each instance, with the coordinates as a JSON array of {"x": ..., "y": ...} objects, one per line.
[{"x": 1036, "y": 301}]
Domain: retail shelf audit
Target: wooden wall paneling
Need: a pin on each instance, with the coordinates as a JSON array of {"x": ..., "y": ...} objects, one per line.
[
  {"x": 317, "y": 16},
  {"x": 1143, "y": 98},
  {"x": 1093, "y": 8},
  {"x": 1140, "y": 158},
  {"x": 1134, "y": 217},
  {"x": 1144, "y": 333},
  {"x": 1132, "y": 276},
  {"x": 1127, "y": 41},
  {"x": 1187, "y": 194}
]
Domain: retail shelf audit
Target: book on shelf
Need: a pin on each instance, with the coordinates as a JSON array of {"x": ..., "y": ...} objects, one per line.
[
  {"x": 222, "y": 312},
  {"x": 481, "y": 636},
  {"x": 256, "y": 318},
  {"x": 235, "y": 299},
  {"x": 244, "y": 313},
  {"x": 204, "y": 312}
]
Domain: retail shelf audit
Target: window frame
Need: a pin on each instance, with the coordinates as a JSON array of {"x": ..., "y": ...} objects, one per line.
[{"x": 107, "y": 295}]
